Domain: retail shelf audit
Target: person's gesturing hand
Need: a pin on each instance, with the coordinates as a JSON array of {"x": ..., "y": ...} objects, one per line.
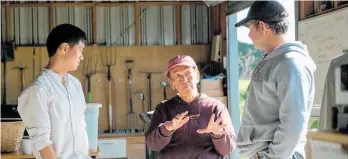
[
  {"x": 177, "y": 121},
  {"x": 214, "y": 127}
]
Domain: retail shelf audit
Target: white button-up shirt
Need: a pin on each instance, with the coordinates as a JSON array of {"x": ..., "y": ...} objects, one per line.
[{"x": 54, "y": 114}]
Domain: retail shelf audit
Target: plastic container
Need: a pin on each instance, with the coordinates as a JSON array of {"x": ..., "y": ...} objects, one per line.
[
  {"x": 91, "y": 117},
  {"x": 27, "y": 146}
]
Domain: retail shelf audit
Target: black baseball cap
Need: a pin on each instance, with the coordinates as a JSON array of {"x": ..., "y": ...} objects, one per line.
[{"x": 266, "y": 11}]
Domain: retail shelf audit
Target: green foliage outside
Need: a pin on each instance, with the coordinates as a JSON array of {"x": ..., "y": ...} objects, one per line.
[
  {"x": 243, "y": 86},
  {"x": 248, "y": 58}
]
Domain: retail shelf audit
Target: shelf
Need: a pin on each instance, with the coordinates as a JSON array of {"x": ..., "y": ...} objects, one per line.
[
  {"x": 16, "y": 154},
  {"x": 19, "y": 154},
  {"x": 309, "y": 9},
  {"x": 329, "y": 137},
  {"x": 103, "y": 136}
]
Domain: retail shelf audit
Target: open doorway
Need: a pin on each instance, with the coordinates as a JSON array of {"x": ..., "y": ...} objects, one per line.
[
  {"x": 242, "y": 59},
  {"x": 248, "y": 56}
]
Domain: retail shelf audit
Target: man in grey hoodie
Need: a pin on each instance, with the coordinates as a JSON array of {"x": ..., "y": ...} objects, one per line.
[{"x": 281, "y": 90}]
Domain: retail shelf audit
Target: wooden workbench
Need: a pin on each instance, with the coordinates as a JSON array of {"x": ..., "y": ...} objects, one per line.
[
  {"x": 135, "y": 147},
  {"x": 135, "y": 143},
  {"x": 332, "y": 137},
  {"x": 19, "y": 154},
  {"x": 120, "y": 135},
  {"x": 329, "y": 137}
]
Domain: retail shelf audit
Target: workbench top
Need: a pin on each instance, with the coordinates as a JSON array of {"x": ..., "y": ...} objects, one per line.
[
  {"x": 119, "y": 135},
  {"x": 16, "y": 154},
  {"x": 134, "y": 136},
  {"x": 19, "y": 154},
  {"x": 329, "y": 137}
]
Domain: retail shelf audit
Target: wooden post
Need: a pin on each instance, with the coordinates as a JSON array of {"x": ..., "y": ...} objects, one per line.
[
  {"x": 307, "y": 8},
  {"x": 94, "y": 22},
  {"x": 302, "y": 10},
  {"x": 210, "y": 13},
  {"x": 8, "y": 21},
  {"x": 215, "y": 20},
  {"x": 178, "y": 24},
  {"x": 137, "y": 22},
  {"x": 335, "y": 4},
  {"x": 317, "y": 5},
  {"x": 223, "y": 13},
  {"x": 51, "y": 15}
]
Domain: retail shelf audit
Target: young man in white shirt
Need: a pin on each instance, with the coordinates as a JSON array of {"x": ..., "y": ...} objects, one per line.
[{"x": 52, "y": 107}]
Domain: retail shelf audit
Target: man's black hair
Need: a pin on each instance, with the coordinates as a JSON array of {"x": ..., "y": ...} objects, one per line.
[{"x": 64, "y": 33}]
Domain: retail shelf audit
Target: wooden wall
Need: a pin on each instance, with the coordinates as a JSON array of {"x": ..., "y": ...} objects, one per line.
[
  {"x": 52, "y": 5},
  {"x": 309, "y": 9},
  {"x": 218, "y": 23},
  {"x": 146, "y": 58}
]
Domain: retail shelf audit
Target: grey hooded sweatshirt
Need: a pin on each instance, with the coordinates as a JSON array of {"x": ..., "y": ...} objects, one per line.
[{"x": 278, "y": 105}]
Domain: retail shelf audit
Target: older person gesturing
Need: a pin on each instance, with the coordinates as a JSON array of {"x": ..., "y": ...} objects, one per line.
[{"x": 191, "y": 124}]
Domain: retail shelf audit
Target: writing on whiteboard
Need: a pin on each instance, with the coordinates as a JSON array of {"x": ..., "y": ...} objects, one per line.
[
  {"x": 325, "y": 36},
  {"x": 325, "y": 150}
]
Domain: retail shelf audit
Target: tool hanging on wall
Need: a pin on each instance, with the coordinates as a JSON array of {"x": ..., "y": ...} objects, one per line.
[
  {"x": 142, "y": 97},
  {"x": 132, "y": 118},
  {"x": 109, "y": 60},
  {"x": 21, "y": 70},
  {"x": 149, "y": 76},
  {"x": 89, "y": 71},
  {"x": 164, "y": 85}
]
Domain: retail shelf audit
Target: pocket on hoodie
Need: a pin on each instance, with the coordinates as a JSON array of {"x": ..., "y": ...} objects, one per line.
[
  {"x": 245, "y": 134},
  {"x": 264, "y": 133}
]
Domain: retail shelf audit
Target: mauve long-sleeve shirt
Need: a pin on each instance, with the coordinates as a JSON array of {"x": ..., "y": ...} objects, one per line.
[{"x": 185, "y": 142}]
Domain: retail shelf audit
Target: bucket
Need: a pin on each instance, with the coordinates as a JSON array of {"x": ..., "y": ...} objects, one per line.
[{"x": 91, "y": 117}]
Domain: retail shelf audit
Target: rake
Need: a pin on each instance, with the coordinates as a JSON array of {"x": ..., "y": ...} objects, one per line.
[
  {"x": 89, "y": 71},
  {"x": 109, "y": 60},
  {"x": 132, "y": 118}
]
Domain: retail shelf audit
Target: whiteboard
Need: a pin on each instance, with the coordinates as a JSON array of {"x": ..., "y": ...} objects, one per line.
[{"x": 325, "y": 36}]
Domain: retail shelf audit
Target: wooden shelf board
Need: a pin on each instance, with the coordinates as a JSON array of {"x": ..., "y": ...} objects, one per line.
[{"x": 328, "y": 136}]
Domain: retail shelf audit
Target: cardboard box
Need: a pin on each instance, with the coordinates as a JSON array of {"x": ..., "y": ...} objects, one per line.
[
  {"x": 212, "y": 88},
  {"x": 223, "y": 99},
  {"x": 213, "y": 93},
  {"x": 211, "y": 84}
]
